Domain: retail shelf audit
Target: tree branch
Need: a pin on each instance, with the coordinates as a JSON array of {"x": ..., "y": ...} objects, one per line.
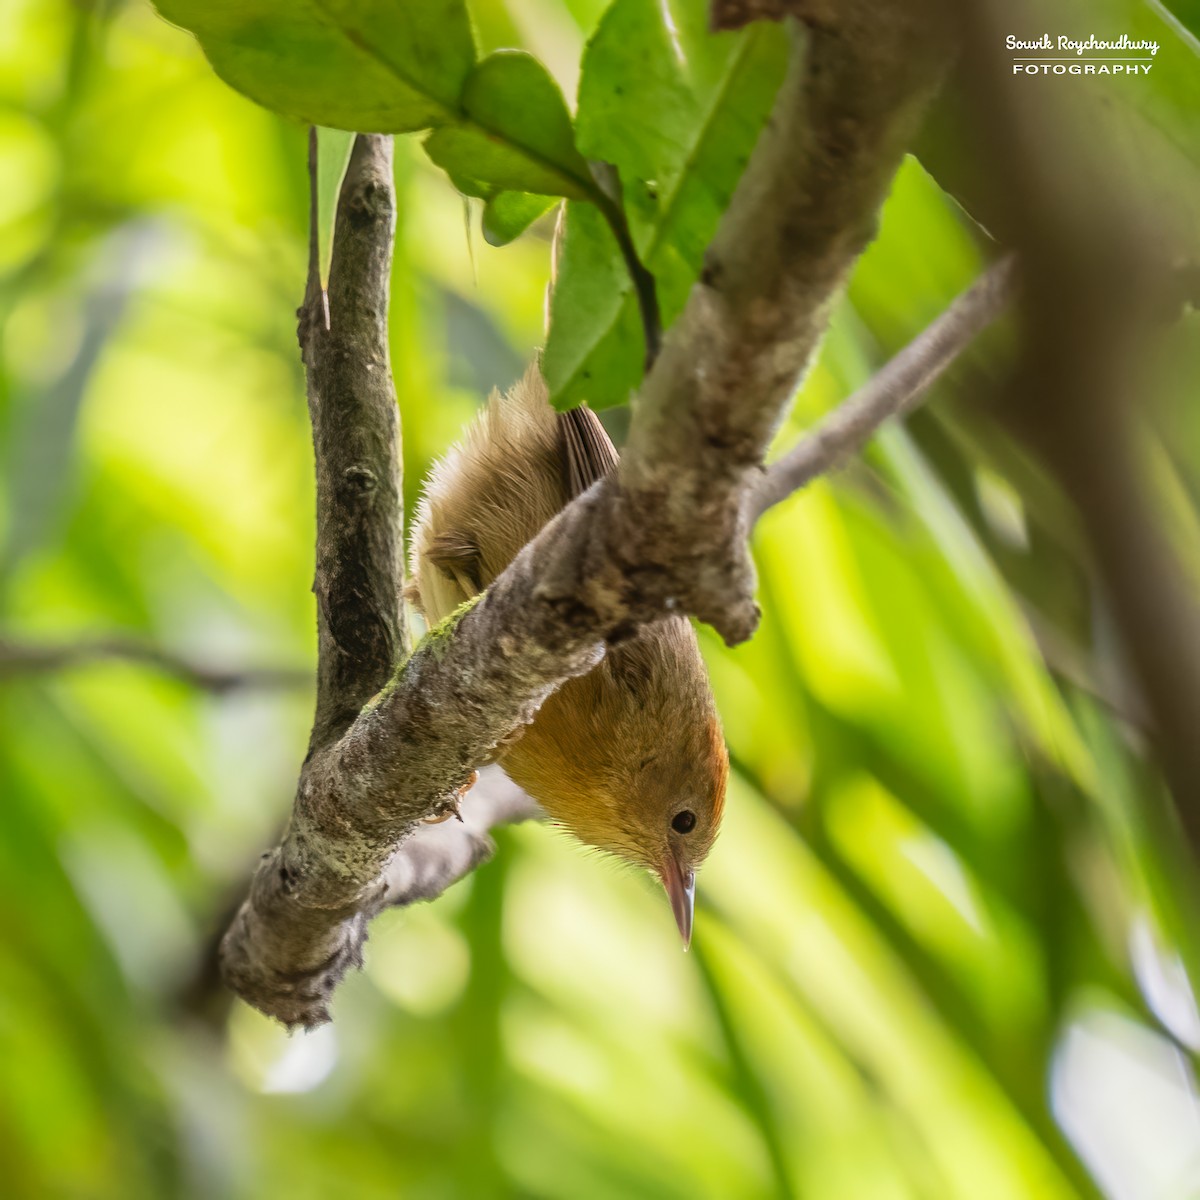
[
  {"x": 359, "y": 581},
  {"x": 667, "y": 534},
  {"x": 283, "y": 933},
  {"x": 25, "y": 658},
  {"x": 896, "y": 389},
  {"x": 432, "y": 859}
]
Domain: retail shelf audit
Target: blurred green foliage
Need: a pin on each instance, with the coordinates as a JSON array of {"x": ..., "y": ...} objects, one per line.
[{"x": 941, "y": 944}]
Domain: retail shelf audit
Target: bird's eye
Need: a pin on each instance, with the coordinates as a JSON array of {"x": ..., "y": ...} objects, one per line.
[{"x": 684, "y": 821}]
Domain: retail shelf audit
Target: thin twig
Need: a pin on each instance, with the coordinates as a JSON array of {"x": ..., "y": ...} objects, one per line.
[
  {"x": 896, "y": 389},
  {"x": 19, "y": 659}
]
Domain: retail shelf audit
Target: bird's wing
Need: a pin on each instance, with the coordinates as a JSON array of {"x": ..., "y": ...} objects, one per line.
[
  {"x": 587, "y": 451},
  {"x": 458, "y": 557}
]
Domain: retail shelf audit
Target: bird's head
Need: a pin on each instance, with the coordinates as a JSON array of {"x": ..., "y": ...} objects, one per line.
[
  {"x": 658, "y": 804},
  {"x": 631, "y": 759},
  {"x": 680, "y": 789}
]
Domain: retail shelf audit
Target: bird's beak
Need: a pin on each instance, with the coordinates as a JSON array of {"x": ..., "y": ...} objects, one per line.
[{"x": 681, "y": 889}]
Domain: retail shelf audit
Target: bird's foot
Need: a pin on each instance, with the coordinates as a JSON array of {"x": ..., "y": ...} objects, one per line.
[{"x": 450, "y": 807}]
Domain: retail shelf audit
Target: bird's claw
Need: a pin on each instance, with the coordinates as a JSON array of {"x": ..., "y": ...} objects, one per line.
[{"x": 451, "y": 807}]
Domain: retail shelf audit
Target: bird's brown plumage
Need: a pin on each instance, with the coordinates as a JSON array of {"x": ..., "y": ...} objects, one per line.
[{"x": 615, "y": 755}]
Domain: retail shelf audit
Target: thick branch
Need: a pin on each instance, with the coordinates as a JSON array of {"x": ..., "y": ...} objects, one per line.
[
  {"x": 667, "y": 534},
  {"x": 432, "y": 859},
  {"x": 803, "y": 212},
  {"x": 23, "y": 658}
]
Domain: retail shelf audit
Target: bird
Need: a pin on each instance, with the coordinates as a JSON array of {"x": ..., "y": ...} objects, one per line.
[{"x": 630, "y": 758}]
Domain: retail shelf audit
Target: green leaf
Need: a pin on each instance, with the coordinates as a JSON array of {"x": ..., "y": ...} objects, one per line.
[
  {"x": 333, "y": 157},
  {"x": 508, "y": 214},
  {"x": 517, "y": 134},
  {"x": 713, "y": 94},
  {"x": 1176, "y": 87},
  {"x": 1187, "y": 12},
  {"x": 367, "y": 65},
  {"x": 636, "y": 107}
]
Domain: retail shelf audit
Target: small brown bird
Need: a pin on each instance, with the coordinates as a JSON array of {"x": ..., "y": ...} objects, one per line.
[{"x": 630, "y": 757}]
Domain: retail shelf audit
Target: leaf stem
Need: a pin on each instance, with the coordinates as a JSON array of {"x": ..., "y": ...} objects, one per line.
[{"x": 606, "y": 195}]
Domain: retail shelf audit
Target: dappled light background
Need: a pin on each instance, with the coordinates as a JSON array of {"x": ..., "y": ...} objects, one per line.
[{"x": 942, "y": 944}]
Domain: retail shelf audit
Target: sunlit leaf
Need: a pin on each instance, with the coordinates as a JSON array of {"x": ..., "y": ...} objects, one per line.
[
  {"x": 373, "y": 66},
  {"x": 507, "y": 215},
  {"x": 637, "y": 108},
  {"x": 517, "y": 136}
]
